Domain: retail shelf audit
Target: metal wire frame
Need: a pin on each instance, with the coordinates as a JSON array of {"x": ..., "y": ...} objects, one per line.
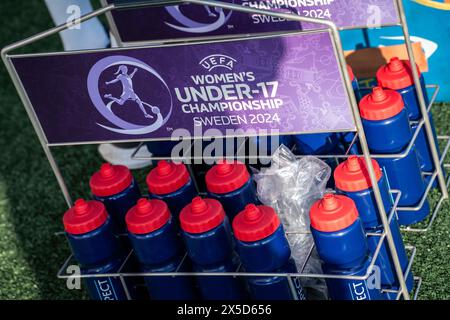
[
  {"x": 115, "y": 31},
  {"x": 188, "y": 160},
  {"x": 61, "y": 273},
  {"x": 338, "y": 51},
  {"x": 188, "y": 157},
  {"x": 301, "y": 274},
  {"x": 334, "y": 33},
  {"x": 402, "y": 23},
  {"x": 400, "y": 208}
]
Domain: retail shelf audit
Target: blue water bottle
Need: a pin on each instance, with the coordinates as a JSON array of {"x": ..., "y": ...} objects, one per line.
[
  {"x": 352, "y": 179},
  {"x": 96, "y": 248},
  {"x": 348, "y": 137},
  {"x": 207, "y": 235},
  {"x": 387, "y": 129},
  {"x": 262, "y": 247},
  {"x": 115, "y": 187},
  {"x": 342, "y": 246},
  {"x": 161, "y": 149},
  {"x": 171, "y": 183},
  {"x": 158, "y": 248},
  {"x": 231, "y": 184},
  {"x": 397, "y": 75},
  {"x": 318, "y": 144}
]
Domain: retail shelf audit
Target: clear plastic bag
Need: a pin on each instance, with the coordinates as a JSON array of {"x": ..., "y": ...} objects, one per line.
[{"x": 291, "y": 186}]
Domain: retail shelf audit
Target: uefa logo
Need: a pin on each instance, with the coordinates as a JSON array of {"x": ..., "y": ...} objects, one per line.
[
  {"x": 130, "y": 94},
  {"x": 207, "y": 19},
  {"x": 217, "y": 61}
]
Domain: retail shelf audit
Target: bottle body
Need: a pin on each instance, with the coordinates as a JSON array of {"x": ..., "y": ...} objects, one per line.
[
  {"x": 388, "y": 276},
  {"x": 409, "y": 96},
  {"x": 403, "y": 175},
  {"x": 106, "y": 288},
  {"x": 171, "y": 288},
  {"x": 346, "y": 252},
  {"x": 178, "y": 199},
  {"x": 392, "y": 135},
  {"x": 343, "y": 249},
  {"x": 162, "y": 251},
  {"x": 318, "y": 144},
  {"x": 345, "y": 289},
  {"x": 118, "y": 204},
  {"x": 271, "y": 254},
  {"x": 235, "y": 201},
  {"x": 277, "y": 288},
  {"x": 370, "y": 217},
  {"x": 115, "y": 187},
  {"x": 397, "y": 75},
  {"x": 100, "y": 251},
  {"x": 423, "y": 148},
  {"x": 96, "y": 247},
  {"x": 341, "y": 244},
  {"x": 161, "y": 149},
  {"x": 221, "y": 287},
  {"x": 212, "y": 251}
]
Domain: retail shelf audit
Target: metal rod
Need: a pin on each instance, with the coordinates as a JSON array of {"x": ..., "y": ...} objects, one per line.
[
  {"x": 112, "y": 25},
  {"x": 250, "y": 10},
  {"x": 369, "y": 165},
  {"x": 433, "y": 216},
  {"x": 24, "y": 97},
  {"x": 334, "y": 32},
  {"x": 418, "y": 285},
  {"x": 125, "y": 287},
  {"x": 56, "y": 29},
  {"x": 37, "y": 128},
  {"x": 422, "y": 104},
  {"x": 325, "y": 156},
  {"x": 62, "y": 275}
]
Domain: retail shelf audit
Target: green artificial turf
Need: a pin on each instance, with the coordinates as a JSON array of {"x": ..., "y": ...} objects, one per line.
[{"x": 31, "y": 205}]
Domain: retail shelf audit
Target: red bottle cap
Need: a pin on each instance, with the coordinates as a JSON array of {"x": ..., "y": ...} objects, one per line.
[
  {"x": 255, "y": 223},
  {"x": 201, "y": 215},
  {"x": 381, "y": 104},
  {"x": 147, "y": 216},
  {"x": 226, "y": 176},
  {"x": 167, "y": 177},
  {"x": 333, "y": 213},
  {"x": 350, "y": 73},
  {"x": 396, "y": 74},
  {"x": 84, "y": 217},
  {"x": 110, "y": 180},
  {"x": 352, "y": 175}
]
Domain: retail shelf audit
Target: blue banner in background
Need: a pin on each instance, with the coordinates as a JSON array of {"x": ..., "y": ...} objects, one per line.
[{"x": 428, "y": 25}]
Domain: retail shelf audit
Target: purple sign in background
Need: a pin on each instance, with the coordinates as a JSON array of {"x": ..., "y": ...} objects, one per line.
[
  {"x": 290, "y": 83},
  {"x": 191, "y": 20}
]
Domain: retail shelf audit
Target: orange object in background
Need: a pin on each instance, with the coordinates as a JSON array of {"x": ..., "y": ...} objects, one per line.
[
  {"x": 379, "y": 56},
  {"x": 436, "y": 4}
]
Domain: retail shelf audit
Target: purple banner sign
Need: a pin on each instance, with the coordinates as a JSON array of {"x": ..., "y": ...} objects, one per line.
[
  {"x": 191, "y": 20},
  {"x": 290, "y": 83}
]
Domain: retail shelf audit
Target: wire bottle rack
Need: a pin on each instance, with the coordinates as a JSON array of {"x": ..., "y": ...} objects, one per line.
[{"x": 383, "y": 237}]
